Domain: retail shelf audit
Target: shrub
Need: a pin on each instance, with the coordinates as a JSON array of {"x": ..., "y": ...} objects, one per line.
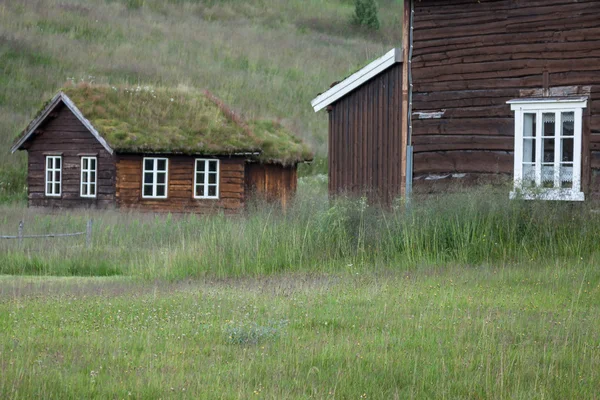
[{"x": 365, "y": 14}]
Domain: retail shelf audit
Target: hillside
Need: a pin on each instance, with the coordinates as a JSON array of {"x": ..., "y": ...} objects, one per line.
[{"x": 267, "y": 59}]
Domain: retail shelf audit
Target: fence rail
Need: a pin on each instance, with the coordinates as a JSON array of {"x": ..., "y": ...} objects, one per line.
[{"x": 20, "y": 236}]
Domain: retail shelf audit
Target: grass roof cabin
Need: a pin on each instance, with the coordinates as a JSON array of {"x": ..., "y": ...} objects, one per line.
[{"x": 154, "y": 149}]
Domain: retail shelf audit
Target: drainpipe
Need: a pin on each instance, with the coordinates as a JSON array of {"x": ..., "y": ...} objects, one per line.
[{"x": 409, "y": 148}]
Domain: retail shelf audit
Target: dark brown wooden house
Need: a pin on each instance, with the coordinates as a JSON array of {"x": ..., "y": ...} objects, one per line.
[
  {"x": 156, "y": 150},
  {"x": 492, "y": 91}
]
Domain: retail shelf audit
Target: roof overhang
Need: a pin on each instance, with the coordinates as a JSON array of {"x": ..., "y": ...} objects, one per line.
[
  {"x": 56, "y": 100},
  {"x": 355, "y": 80}
]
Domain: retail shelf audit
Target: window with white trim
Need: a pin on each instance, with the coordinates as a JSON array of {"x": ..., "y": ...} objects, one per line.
[
  {"x": 89, "y": 169},
  {"x": 53, "y": 176},
  {"x": 548, "y": 136},
  {"x": 155, "y": 177},
  {"x": 206, "y": 179}
]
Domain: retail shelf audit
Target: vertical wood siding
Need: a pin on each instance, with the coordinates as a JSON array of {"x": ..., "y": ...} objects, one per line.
[
  {"x": 271, "y": 182},
  {"x": 180, "y": 186},
  {"x": 365, "y": 154},
  {"x": 63, "y": 133},
  {"x": 470, "y": 57}
]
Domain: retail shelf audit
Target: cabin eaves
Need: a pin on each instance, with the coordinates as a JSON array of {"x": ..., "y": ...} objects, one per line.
[{"x": 357, "y": 79}]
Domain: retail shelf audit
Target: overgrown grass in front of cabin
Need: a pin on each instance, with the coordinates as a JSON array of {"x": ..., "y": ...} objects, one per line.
[
  {"x": 472, "y": 228},
  {"x": 522, "y": 331}
]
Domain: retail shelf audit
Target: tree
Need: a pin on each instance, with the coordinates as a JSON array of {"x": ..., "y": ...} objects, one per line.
[{"x": 365, "y": 14}]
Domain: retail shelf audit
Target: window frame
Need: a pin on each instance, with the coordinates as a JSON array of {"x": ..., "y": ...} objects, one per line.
[
  {"x": 206, "y": 184},
  {"x": 88, "y": 183},
  {"x": 539, "y": 107},
  {"x": 53, "y": 169},
  {"x": 155, "y": 173}
]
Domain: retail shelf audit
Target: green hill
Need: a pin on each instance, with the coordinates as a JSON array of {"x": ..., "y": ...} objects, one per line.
[{"x": 267, "y": 59}]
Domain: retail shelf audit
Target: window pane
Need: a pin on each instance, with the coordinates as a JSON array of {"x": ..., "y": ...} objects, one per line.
[
  {"x": 212, "y": 166},
  {"x": 84, "y": 163},
  {"x": 161, "y": 177},
  {"x": 567, "y": 150},
  {"x": 200, "y": 165},
  {"x": 566, "y": 176},
  {"x": 49, "y": 176},
  {"x": 529, "y": 125},
  {"x": 528, "y": 150},
  {"x": 49, "y": 188},
  {"x": 148, "y": 178},
  {"x": 199, "y": 191},
  {"x": 549, "y": 124},
  {"x": 57, "y": 176},
  {"x": 568, "y": 124},
  {"x": 147, "y": 190},
  {"x": 212, "y": 191},
  {"x": 548, "y": 150},
  {"x": 48, "y": 162},
  {"x": 149, "y": 164},
  {"x": 200, "y": 179},
  {"x": 162, "y": 165},
  {"x": 57, "y": 163},
  {"x": 92, "y": 190},
  {"x": 92, "y": 176},
  {"x": 548, "y": 175},
  {"x": 212, "y": 178},
  {"x": 93, "y": 163},
  {"x": 84, "y": 176},
  {"x": 84, "y": 189},
  {"x": 160, "y": 190},
  {"x": 56, "y": 188}
]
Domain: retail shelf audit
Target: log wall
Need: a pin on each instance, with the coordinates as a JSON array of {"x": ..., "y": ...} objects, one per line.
[
  {"x": 470, "y": 57},
  {"x": 274, "y": 183},
  {"x": 365, "y": 143},
  {"x": 180, "y": 186},
  {"x": 63, "y": 134}
]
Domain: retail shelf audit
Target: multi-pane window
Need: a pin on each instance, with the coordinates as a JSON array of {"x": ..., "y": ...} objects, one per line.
[
  {"x": 89, "y": 166},
  {"x": 53, "y": 176},
  {"x": 206, "y": 180},
  {"x": 548, "y": 148},
  {"x": 155, "y": 178}
]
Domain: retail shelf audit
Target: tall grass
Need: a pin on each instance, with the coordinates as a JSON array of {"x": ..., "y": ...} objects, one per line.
[{"x": 473, "y": 228}]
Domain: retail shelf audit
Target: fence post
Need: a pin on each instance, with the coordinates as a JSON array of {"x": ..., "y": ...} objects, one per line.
[
  {"x": 20, "y": 233},
  {"x": 88, "y": 234}
]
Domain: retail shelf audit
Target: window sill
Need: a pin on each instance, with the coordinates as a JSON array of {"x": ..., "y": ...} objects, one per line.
[{"x": 548, "y": 194}]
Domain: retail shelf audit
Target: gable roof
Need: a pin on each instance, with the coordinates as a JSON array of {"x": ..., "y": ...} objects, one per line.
[
  {"x": 169, "y": 121},
  {"x": 357, "y": 79}
]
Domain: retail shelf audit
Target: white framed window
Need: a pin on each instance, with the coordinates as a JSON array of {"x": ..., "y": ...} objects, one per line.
[
  {"x": 89, "y": 170},
  {"x": 53, "y": 176},
  {"x": 206, "y": 179},
  {"x": 155, "y": 177},
  {"x": 548, "y": 136}
]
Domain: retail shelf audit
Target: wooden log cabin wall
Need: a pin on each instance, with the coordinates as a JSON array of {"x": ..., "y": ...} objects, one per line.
[
  {"x": 271, "y": 182},
  {"x": 470, "y": 57}
]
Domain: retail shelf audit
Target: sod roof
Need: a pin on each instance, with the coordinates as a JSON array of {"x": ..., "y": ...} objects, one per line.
[{"x": 174, "y": 121}]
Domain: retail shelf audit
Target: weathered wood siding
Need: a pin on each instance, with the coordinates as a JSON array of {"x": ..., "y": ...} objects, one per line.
[
  {"x": 180, "y": 186},
  {"x": 62, "y": 133},
  {"x": 365, "y": 144},
  {"x": 271, "y": 182},
  {"x": 470, "y": 57}
]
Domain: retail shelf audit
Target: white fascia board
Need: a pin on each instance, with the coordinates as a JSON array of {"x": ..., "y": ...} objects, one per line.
[
  {"x": 548, "y": 104},
  {"x": 49, "y": 108},
  {"x": 358, "y": 78}
]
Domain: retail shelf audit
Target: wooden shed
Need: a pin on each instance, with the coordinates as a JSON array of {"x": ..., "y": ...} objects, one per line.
[
  {"x": 494, "y": 91},
  {"x": 154, "y": 149}
]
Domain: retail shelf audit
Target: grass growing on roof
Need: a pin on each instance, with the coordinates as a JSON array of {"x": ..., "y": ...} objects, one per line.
[{"x": 161, "y": 120}]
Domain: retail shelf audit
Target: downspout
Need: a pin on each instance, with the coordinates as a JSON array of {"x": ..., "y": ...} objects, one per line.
[{"x": 409, "y": 148}]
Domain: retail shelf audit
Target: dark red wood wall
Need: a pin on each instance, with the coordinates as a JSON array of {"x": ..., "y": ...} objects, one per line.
[
  {"x": 63, "y": 134},
  {"x": 470, "y": 57},
  {"x": 365, "y": 144}
]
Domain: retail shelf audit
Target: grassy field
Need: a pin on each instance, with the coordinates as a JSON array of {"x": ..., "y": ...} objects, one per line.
[
  {"x": 267, "y": 59},
  {"x": 516, "y": 332}
]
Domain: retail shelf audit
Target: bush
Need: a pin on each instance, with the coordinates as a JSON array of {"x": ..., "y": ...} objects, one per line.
[{"x": 365, "y": 14}]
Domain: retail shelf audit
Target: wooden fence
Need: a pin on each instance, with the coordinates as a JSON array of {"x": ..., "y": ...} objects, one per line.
[{"x": 20, "y": 236}]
